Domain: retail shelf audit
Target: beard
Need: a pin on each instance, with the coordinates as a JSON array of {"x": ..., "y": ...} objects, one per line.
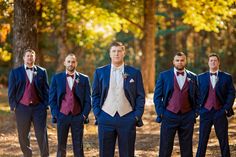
[
  {"x": 70, "y": 69},
  {"x": 179, "y": 68}
]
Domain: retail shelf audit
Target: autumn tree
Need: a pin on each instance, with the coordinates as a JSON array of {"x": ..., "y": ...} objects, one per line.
[
  {"x": 6, "y": 13},
  {"x": 206, "y": 15},
  {"x": 24, "y": 29},
  {"x": 62, "y": 36},
  {"x": 148, "y": 46}
]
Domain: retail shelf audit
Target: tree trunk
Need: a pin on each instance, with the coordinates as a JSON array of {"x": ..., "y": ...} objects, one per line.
[
  {"x": 24, "y": 29},
  {"x": 62, "y": 39},
  {"x": 40, "y": 56},
  {"x": 148, "y": 46}
]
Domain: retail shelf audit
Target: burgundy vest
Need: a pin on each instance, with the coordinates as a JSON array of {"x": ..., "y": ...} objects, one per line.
[
  {"x": 212, "y": 100},
  {"x": 179, "y": 101},
  {"x": 30, "y": 95},
  {"x": 69, "y": 102}
]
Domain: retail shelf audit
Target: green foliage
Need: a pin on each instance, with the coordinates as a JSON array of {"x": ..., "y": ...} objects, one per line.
[
  {"x": 172, "y": 31},
  {"x": 92, "y": 25}
]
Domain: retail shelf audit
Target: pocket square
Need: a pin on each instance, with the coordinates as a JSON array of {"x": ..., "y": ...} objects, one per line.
[{"x": 131, "y": 81}]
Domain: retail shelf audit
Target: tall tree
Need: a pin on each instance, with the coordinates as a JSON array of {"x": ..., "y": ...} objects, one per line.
[
  {"x": 148, "y": 46},
  {"x": 24, "y": 29},
  {"x": 142, "y": 23},
  {"x": 62, "y": 38}
]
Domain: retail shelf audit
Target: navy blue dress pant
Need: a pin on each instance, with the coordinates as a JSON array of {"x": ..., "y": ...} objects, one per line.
[
  {"x": 112, "y": 128},
  {"x": 36, "y": 114},
  {"x": 64, "y": 124},
  {"x": 220, "y": 122},
  {"x": 181, "y": 123}
]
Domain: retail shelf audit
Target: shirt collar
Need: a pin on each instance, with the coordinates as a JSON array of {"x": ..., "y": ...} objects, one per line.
[
  {"x": 175, "y": 71},
  {"x": 214, "y": 72},
  {"x": 120, "y": 68},
  {"x": 74, "y": 73}
]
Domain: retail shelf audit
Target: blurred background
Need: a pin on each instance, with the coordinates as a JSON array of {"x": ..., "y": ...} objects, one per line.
[{"x": 152, "y": 30}]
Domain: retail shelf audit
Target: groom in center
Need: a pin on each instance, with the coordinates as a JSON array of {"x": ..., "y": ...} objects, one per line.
[{"x": 118, "y": 100}]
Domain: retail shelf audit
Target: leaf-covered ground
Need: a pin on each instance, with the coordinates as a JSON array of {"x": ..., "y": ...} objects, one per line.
[{"x": 147, "y": 141}]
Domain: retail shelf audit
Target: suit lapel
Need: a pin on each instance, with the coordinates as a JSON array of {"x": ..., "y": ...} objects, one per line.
[
  {"x": 77, "y": 81},
  {"x": 126, "y": 78},
  {"x": 63, "y": 83},
  {"x": 107, "y": 72},
  {"x": 188, "y": 79},
  {"x": 208, "y": 80},
  {"x": 35, "y": 74},
  {"x": 172, "y": 75},
  {"x": 23, "y": 74},
  {"x": 219, "y": 77}
]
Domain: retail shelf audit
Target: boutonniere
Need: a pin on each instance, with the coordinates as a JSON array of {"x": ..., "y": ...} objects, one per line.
[
  {"x": 125, "y": 75},
  {"x": 35, "y": 73},
  {"x": 189, "y": 79},
  {"x": 77, "y": 80}
]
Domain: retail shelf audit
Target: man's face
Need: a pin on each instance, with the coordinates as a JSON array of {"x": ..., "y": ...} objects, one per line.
[
  {"x": 29, "y": 59},
  {"x": 179, "y": 62},
  {"x": 213, "y": 63},
  {"x": 117, "y": 55},
  {"x": 70, "y": 63}
]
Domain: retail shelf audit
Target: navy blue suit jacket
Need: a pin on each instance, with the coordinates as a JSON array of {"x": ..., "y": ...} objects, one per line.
[
  {"x": 165, "y": 87},
  {"x": 224, "y": 88},
  {"x": 17, "y": 82},
  {"x": 58, "y": 90},
  {"x": 134, "y": 92}
]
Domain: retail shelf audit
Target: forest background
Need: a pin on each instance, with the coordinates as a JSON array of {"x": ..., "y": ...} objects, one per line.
[{"x": 152, "y": 30}]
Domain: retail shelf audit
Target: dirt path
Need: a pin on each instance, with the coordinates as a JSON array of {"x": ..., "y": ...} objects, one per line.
[{"x": 147, "y": 141}]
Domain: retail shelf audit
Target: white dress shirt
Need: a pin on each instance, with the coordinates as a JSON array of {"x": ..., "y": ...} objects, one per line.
[
  {"x": 70, "y": 80},
  {"x": 214, "y": 79},
  {"x": 180, "y": 78},
  {"x": 30, "y": 73}
]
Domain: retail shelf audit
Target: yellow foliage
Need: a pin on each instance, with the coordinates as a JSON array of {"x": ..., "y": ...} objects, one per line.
[
  {"x": 206, "y": 15},
  {"x": 4, "y": 30},
  {"x": 5, "y": 55}
]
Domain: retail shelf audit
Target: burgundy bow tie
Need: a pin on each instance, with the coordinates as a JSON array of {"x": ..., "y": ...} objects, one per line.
[
  {"x": 212, "y": 74},
  {"x": 68, "y": 75},
  {"x": 180, "y": 73},
  {"x": 27, "y": 68}
]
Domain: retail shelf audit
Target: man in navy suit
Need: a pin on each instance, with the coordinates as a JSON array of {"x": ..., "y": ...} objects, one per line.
[
  {"x": 28, "y": 99},
  {"x": 216, "y": 98},
  {"x": 70, "y": 103},
  {"x": 175, "y": 102},
  {"x": 118, "y": 100}
]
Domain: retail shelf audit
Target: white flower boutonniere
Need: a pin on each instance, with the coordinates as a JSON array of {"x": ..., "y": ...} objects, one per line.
[
  {"x": 189, "y": 79},
  {"x": 35, "y": 73},
  {"x": 77, "y": 80},
  {"x": 125, "y": 75}
]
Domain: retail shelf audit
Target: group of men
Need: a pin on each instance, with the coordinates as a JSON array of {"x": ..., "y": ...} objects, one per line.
[{"x": 118, "y": 100}]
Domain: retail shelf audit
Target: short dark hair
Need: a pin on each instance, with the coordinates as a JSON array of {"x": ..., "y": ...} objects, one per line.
[
  {"x": 70, "y": 54},
  {"x": 180, "y": 54},
  {"x": 29, "y": 50},
  {"x": 117, "y": 43},
  {"x": 214, "y": 55}
]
